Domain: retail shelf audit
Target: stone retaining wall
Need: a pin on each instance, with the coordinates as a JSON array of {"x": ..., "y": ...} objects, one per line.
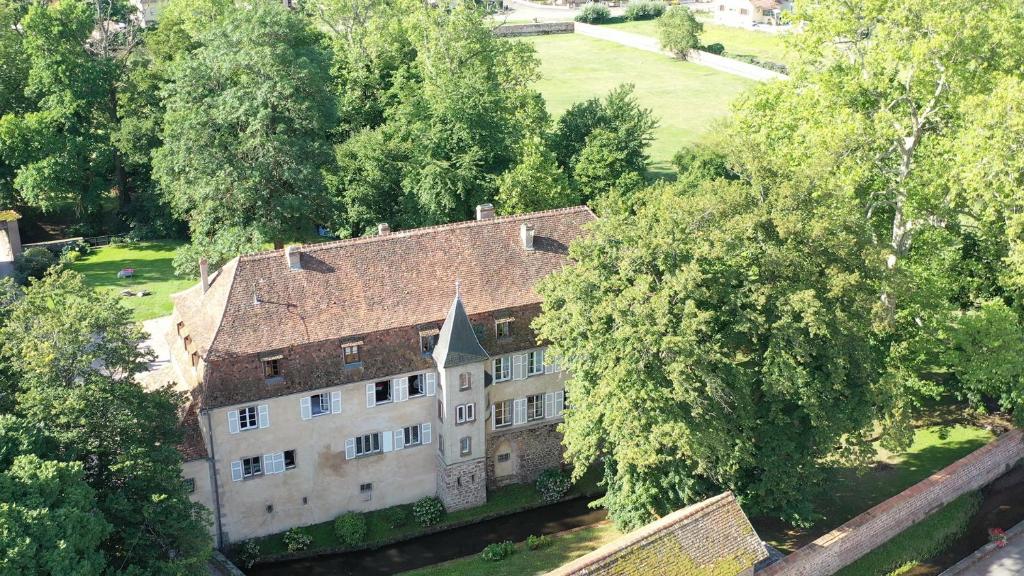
[
  {"x": 541, "y": 28},
  {"x": 845, "y": 544}
]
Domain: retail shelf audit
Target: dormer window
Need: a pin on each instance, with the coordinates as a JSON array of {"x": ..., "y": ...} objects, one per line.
[
  {"x": 272, "y": 368},
  {"x": 350, "y": 354},
  {"x": 503, "y": 328},
  {"x": 428, "y": 339},
  {"x": 188, "y": 342},
  {"x": 181, "y": 327}
]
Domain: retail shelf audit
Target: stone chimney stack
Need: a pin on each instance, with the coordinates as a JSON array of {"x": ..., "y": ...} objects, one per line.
[
  {"x": 484, "y": 211},
  {"x": 383, "y": 229},
  {"x": 526, "y": 235},
  {"x": 293, "y": 257},
  {"x": 204, "y": 274}
]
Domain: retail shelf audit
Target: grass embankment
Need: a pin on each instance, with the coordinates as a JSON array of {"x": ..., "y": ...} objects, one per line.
[
  {"x": 562, "y": 548},
  {"x": 153, "y": 272},
  {"x": 380, "y": 531},
  {"x": 686, "y": 98},
  {"x": 738, "y": 41}
]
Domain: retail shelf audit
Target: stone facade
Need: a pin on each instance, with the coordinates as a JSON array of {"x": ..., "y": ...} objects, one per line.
[
  {"x": 462, "y": 485},
  {"x": 530, "y": 451}
]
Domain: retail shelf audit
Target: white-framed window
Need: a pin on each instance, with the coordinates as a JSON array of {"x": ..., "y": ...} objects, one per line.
[
  {"x": 411, "y": 435},
  {"x": 465, "y": 413},
  {"x": 320, "y": 404},
  {"x": 503, "y": 328},
  {"x": 417, "y": 385},
  {"x": 502, "y": 368},
  {"x": 535, "y": 362},
  {"x": 465, "y": 445},
  {"x": 502, "y": 413},
  {"x": 535, "y": 407},
  {"x": 382, "y": 391},
  {"x": 465, "y": 381},
  {"x": 248, "y": 418},
  {"x": 252, "y": 467},
  {"x": 368, "y": 444}
]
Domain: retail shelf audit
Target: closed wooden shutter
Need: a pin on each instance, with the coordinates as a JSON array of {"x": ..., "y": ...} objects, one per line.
[
  {"x": 350, "y": 448},
  {"x": 264, "y": 415},
  {"x": 399, "y": 438},
  {"x": 519, "y": 367},
  {"x": 385, "y": 440},
  {"x": 233, "y": 422},
  {"x": 305, "y": 408},
  {"x": 425, "y": 433},
  {"x": 431, "y": 383},
  {"x": 335, "y": 402},
  {"x": 236, "y": 470},
  {"x": 400, "y": 388},
  {"x": 549, "y": 405},
  {"x": 519, "y": 411},
  {"x": 371, "y": 395}
]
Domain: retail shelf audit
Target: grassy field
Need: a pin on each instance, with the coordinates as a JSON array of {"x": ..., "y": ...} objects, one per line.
[
  {"x": 685, "y": 98},
  {"x": 764, "y": 45},
  {"x": 851, "y": 492},
  {"x": 563, "y": 548},
  {"x": 153, "y": 272}
]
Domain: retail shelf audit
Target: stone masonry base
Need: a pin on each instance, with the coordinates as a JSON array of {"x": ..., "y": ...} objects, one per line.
[
  {"x": 462, "y": 485},
  {"x": 535, "y": 449}
]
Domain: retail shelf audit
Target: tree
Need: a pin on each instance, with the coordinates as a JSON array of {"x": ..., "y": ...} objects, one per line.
[
  {"x": 718, "y": 339},
  {"x": 679, "y": 31},
  {"x": 75, "y": 356},
  {"x": 251, "y": 97},
  {"x": 535, "y": 183},
  {"x": 602, "y": 167}
]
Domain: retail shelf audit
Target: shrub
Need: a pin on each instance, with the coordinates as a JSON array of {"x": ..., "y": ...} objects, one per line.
[
  {"x": 250, "y": 554},
  {"x": 33, "y": 263},
  {"x": 679, "y": 31},
  {"x": 498, "y": 551},
  {"x": 716, "y": 48},
  {"x": 396, "y": 516},
  {"x": 553, "y": 484},
  {"x": 537, "y": 542},
  {"x": 428, "y": 511},
  {"x": 296, "y": 539},
  {"x": 350, "y": 528},
  {"x": 767, "y": 65},
  {"x": 593, "y": 13},
  {"x": 644, "y": 10}
]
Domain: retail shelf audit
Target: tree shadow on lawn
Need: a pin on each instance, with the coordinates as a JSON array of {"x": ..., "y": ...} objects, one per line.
[
  {"x": 852, "y": 491},
  {"x": 152, "y": 262}
]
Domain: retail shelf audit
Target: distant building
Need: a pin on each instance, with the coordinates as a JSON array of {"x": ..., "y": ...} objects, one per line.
[
  {"x": 148, "y": 10},
  {"x": 365, "y": 373},
  {"x": 10, "y": 241},
  {"x": 747, "y": 13},
  {"x": 713, "y": 537}
]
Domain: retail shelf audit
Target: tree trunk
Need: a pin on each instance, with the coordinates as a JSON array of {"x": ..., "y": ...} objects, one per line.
[{"x": 120, "y": 176}]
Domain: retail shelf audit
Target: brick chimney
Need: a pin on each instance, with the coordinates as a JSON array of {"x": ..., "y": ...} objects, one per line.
[
  {"x": 293, "y": 257},
  {"x": 383, "y": 229},
  {"x": 484, "y": 211},
  {"x": 526, "y": 236},
  {"x": 204, "y": 274}
]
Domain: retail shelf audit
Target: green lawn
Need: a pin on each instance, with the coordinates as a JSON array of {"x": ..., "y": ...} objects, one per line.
[
  {"x": 153, "y": 272},
  {"x": 685, "y": 98},
  {"x": 851, "y": 492},
  {"x": 763, "y": 45},
  {"x": 563, "y": 548}
]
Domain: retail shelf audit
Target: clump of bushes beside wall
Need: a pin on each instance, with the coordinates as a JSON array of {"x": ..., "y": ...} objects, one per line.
[
  {"x": 553, "y": 484},
  {"x": 644, "y": 10},
  {"x": 593, "y": 13},
  {"x": 428, "y": 511},
  {"x": 350, "y": 528}
]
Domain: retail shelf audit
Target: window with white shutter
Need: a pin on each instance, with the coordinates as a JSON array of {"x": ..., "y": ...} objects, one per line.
[
  {"x": 549, "y": 405},
  {"x": 386, "y": 442},
  {"x": 305, "y": 408},
  {"x": 519, "y": 366},
  {"x": 350, "y": 448},
  {"x": 336, "y": 402},
  {"x": 519, "y": 411},
  {"x": 401, "y": 388},
  {"x": 264, "y": 412},
  {"x": 559, "y": 402},
  {"x": 431, "y": 379},
  {"x": 399, "y": 439},
  {"x": 233, "y": 421},
  {"x": 535, "y": 362},
  {"x": 236, "y": 470},
  {"x": 425, "y": 433},
  {"x": 371, "y": 395}
]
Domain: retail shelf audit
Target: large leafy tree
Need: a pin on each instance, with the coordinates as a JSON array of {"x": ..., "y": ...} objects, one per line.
[
  {"x": 245, "y": 133},
  {"x": 75, "y": 356},
  {"x": 718, "y": 339}
]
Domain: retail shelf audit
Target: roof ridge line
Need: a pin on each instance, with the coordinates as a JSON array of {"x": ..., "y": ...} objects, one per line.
[{"x": 416, "y": 231}]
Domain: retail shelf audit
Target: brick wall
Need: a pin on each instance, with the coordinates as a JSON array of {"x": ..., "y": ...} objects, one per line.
[
  {"x": 461, "y": 485},
  {"x": 842, "y": 546},
  {"x": 710, "y": 537},
  {"x": 536, "y": 449}
]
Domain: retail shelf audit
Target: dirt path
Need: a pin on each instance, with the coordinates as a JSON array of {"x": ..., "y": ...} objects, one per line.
[{"x": 443, "y": 546}]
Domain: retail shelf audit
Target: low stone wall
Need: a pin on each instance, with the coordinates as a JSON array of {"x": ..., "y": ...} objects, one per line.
[
  {"x": 538, "y": 29},
  {"x": 845, "y": 544},
  {"x": 535, "y": 448},
  {"x": 710, "y": 537}
]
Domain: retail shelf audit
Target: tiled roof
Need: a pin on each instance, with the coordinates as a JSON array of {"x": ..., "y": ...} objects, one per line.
[
  {"x": 766, "y": 4},
  {"x": 709, "y": 537},
  {"x": 192, "y": 446},
  {"x": 256, "y": 303}
]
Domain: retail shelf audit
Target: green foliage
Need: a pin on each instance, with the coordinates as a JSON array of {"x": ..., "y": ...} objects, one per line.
[
  {"x": 716, "y": 48},
  {"x": 350, "y": 528},
  {"x": 498, "y": 551},
  {"x": 704, "y": 317},
  {"x": 536, "y": 183},
  {"x": 537, "y": 542},
  {"x": 250, "y": 554},
  {"x": 396, "y": 516},
  {"x": 33, "y": 264},
  {"x": 296, "y": 540},
  {"x": 553, "y": 484},
  {"x": 699, "y": 163},
  {"x": 919, "y": 542},
  {"x": 428, "y": 511},
  {"x": 223, "y": 246},
  {"x": 644, "y": 9},
  {"x": 251, "y": 96},
  {"x": 679, "y": 31},
  {"x": 593, "y": 13}
]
